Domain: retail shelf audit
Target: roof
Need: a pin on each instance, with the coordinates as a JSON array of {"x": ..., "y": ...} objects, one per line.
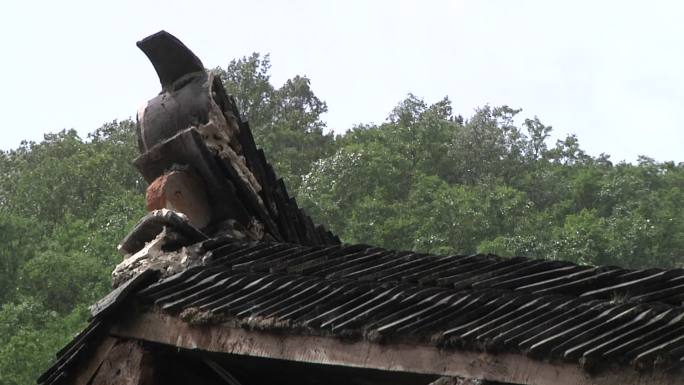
[
  {"x": 596, "y": 317},
  {"x": 293, "y": 292}
]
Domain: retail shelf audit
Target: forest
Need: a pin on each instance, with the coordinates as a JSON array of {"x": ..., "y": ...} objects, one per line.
[{"x": 426, "y": 179}]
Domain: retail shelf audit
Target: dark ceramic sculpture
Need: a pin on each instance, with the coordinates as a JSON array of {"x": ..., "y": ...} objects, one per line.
[{"x": 187, "y": 91}]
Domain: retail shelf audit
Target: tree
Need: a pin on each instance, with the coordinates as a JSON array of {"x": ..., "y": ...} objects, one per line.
[
  {"x": 248, "y": 80},
  {"x": 19, "y": 238},
  {"x": 286, "y": 122},
  {"x": 64, "y": 205}
]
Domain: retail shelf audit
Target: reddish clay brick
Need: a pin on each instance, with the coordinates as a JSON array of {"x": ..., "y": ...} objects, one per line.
[{"x": 183, "y": 192}]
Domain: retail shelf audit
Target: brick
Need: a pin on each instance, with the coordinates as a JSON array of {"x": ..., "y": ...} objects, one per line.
[{"x": 183, "y": 192}]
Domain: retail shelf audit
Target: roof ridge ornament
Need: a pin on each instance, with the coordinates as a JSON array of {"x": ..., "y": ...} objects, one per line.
[
  {"x": 170, "y": 57},
  {"x": 200, "y": 160}
]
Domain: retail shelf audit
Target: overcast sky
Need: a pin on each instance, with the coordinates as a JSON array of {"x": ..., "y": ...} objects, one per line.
[{"x": 611, "y": 72}]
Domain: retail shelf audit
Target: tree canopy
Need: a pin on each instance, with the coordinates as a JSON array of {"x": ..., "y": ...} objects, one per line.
[{"x": 426, "y": 179}]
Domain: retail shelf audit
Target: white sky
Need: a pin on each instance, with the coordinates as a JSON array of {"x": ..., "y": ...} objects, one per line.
[{"x": 611, "y": 72}]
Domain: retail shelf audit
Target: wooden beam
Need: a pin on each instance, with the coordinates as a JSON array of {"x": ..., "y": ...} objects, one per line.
[
  {"x": 90, "y": 367},
  {"x": 425, "y": 359},
  {"x": 459, "y": 381},
  {"x": 127, "y": 363}
]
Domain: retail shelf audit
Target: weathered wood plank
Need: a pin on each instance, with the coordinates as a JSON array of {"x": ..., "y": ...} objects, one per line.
[
  {"x": 127, "y": 363},
  {"x": 90, "y": 367},
  {"x": 513, "y": 368},
  {"x": 118, "y": 295}
]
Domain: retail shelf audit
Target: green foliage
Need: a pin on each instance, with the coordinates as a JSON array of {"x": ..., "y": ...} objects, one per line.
[
  {"x": 18, "y": 239},
  {"x": 65, "y": 203},
  {"x": 63, "y": 279},
  {"x": 63, "y": 175},
  {"x": 30, "y": 334},
  {"x": 424, "y": 180},
  {"x": 430, "y": 181}
]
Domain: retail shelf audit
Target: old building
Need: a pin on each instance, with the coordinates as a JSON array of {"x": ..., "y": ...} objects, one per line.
[{"x": 227, "y": 281}]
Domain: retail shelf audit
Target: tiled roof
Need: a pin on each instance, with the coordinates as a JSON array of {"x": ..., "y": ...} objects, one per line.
[{"x": 549, "y": 310}]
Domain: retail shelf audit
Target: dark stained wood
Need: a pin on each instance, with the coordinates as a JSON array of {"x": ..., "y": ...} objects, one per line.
[
  {"x": 118, "y": 295},
  {"x": 74, "y": 352},
  {"x": 94, "y": 361},
  {"x": 128, "y": 363}
]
